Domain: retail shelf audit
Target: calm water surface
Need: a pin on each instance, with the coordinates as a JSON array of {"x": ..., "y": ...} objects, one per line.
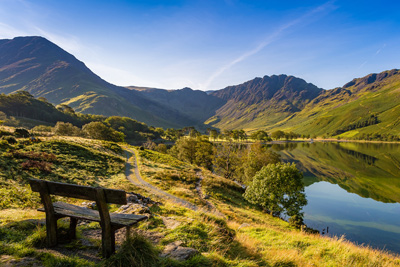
[{"x": 352, "y": 188}]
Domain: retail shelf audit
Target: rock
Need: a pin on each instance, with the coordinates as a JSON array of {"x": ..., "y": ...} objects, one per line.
[
  {"x": 139, "y": 199},
  {"x": 177, "y": 252},
  {"x": 8, "y": 261},
  {"x": 170, "y": 222},
  {"x": 132, "y": 208},
  {"x": 89, "y": 205}
]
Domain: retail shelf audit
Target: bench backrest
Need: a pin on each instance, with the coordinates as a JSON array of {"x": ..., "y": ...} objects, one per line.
[{"x": 78, "y": 191}]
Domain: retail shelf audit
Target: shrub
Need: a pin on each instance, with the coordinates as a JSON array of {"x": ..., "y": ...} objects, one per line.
[
  {"x": 10, "y": 139},
  {"x": 21, "y": 132},
  {"x": 37, "y": 165},
  {"x": 4, "y": 133}
]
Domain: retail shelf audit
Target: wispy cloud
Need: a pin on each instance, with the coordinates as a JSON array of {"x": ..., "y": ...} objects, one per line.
[
  {"x": 68, "y": 42},
  {"x": 328, "y": 6},
  {"x": 7, "y": 31},
  {"x": 372, "y": 56}
]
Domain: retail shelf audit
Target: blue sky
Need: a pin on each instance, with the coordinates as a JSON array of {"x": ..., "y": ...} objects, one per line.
[{"x": 209, "y": 45}]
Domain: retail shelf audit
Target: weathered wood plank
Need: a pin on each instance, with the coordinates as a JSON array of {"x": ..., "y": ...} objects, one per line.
[
  {"x": 119, "y": 220},
  {"x": 79, "y": 191}
]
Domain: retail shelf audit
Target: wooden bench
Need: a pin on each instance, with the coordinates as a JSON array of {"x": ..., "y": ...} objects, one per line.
[{"x": 109, "y": 222}]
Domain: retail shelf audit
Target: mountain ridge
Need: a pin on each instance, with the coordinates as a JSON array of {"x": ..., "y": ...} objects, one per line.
[{"x": 273, "y": 102}]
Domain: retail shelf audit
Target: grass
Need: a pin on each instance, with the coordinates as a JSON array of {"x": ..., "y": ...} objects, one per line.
[
  {"x": 244, "y": 236},
  {"x": 171, "y": 175}
]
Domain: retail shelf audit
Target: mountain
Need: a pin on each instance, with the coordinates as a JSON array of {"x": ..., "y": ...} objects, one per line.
[
  {"x": 262, "y": 101},
  {"x": 368, "y": 105},
  {"x": 364, "y": 106},
  {"x": 42, "y": 68},
  {"x": 196, "y": 104}
]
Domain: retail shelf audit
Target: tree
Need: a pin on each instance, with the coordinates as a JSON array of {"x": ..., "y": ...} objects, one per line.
[
  {"x": 66, "y": 128},
  {"x": 278, "y": 135},
  {"x": 185, "y": 149},
  {"x": 257, "y": 157},
  {"x": 204, "y": 154},
  {"x": 278, "y": 188},
  {"x": 226, "y": 159},
  {"x": 98, "y": 130},
  {"x": 214, "y": 134}
]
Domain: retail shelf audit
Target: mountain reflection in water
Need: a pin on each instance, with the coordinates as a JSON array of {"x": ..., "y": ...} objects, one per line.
[{"x": 352, "y": 188}]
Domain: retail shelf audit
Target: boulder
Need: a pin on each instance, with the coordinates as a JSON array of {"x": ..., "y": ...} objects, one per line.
[{"x": 177, "y": 252}]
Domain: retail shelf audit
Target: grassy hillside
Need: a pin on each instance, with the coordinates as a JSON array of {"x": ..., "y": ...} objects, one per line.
[
  {"x": 356, "y": 101},
  {"x": 243, "y": 236}
]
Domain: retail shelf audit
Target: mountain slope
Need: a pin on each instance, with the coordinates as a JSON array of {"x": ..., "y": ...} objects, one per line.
[
  {"x": 40, "y": 67},
  {"x": 365, "y": 105},
  {"x": 196, "y": 104},
  {"x": 262, "y": 102}
]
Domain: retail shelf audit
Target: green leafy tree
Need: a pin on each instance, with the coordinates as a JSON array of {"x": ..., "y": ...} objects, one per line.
[
  {"x": 66, "y": 128},
  {"x": 278, "y": 188},
  {"x": 226, "y": 160},
  {"x": 278, "y": 135},
  {"x": 185, "y": 149},
  {"x": 204, "y": 154},
  {"x": 257, "y": 156},
  {"x": 213, "y": 134},
  {"x": 98, "y": 130},
  {"x": 260, "y": 135}
]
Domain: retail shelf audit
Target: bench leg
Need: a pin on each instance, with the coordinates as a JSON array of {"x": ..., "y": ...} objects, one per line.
[
  {"x": 51, "y": 231},
  {"x": 128, "y": 232},
  {"x": 108, "y": 243},
  {"x": 72, "y": 227}
]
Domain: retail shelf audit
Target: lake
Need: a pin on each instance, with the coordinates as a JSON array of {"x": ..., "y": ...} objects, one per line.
[{"x": 352, "y": 188}]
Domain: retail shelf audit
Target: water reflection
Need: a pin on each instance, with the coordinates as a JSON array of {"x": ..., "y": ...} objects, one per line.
[
  {"x": 352, "y": 188},
  {"x": 368, "y": 169}
]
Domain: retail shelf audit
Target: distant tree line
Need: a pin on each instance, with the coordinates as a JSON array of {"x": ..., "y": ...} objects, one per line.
[{"x": 364, "y": 122}]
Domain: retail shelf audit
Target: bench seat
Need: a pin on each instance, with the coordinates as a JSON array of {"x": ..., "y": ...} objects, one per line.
[{"x": 118, "y": 220}]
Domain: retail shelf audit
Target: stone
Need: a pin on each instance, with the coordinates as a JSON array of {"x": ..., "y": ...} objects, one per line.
[
  {"x": 89, "y": 205},
  {"x": 170, "y": 223},
  {"x": 6, "y": 260},
  {"x": 177, "y": 252},
  {"x": 133, "y": 208}
]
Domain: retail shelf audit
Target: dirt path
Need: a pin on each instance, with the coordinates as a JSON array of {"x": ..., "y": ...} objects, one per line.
[
  {"x": 133, "y": 175},
  {"x": 210, "y": 206}
]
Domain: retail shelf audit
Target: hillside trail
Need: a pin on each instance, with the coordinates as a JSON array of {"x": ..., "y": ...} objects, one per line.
[
  {"x": 133, "y": 175},
  {"x": 210, "y": 206}
]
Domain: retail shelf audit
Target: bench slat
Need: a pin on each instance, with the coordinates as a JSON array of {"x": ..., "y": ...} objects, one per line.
[
  {"x": 79, "y": 191},
  {"x": 117, "y": 219}
]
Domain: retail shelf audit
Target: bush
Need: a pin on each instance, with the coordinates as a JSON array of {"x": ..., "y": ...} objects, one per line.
[
  {"x": 21, "y": 132},
  {"x": 97, "y": 130},
  {"x": 66, "y": 128},
  {"x": 4, "y": 133},
  {"x": 10, "y": 139}
]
